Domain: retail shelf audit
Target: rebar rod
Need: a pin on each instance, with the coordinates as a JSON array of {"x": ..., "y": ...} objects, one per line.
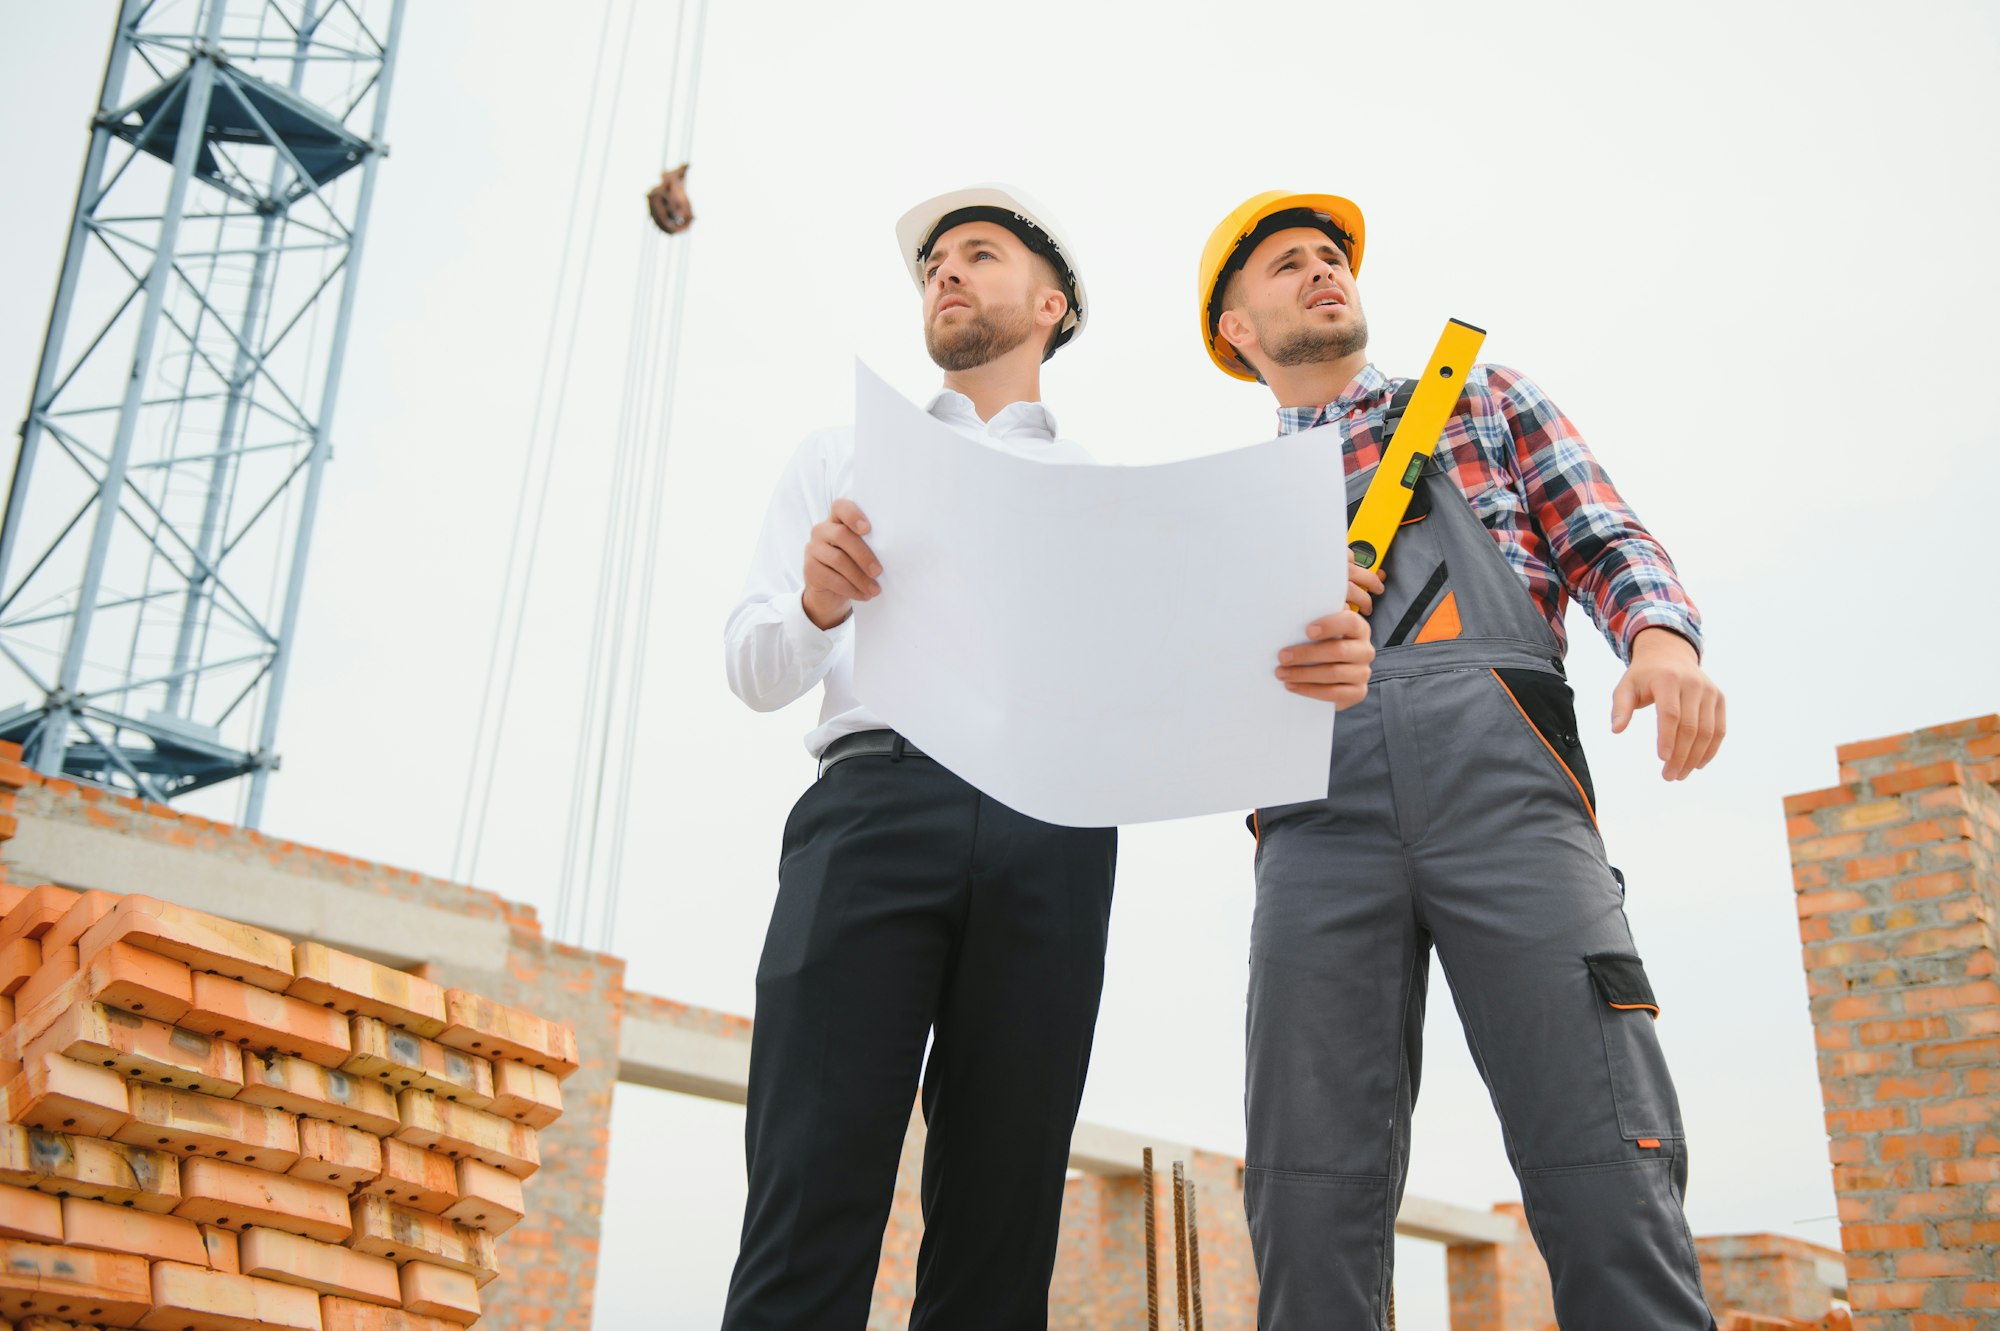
[
  {"x": 1180, "y": 1247},
  {"x": 1152, "y": 1247},
  {"x": 1194, "y": 1258}
]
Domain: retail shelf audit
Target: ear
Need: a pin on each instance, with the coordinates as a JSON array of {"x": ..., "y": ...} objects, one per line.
[
  {"x": 1236, "y": 330},
  {"x": 1051, "y": 309}
]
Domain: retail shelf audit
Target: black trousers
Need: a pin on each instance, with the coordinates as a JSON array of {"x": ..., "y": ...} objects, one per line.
[{"x": 912, "y": 906}]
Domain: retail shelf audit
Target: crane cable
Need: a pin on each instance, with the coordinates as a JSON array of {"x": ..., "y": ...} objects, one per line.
[
  {"x": 629, "y": 559},
  {"x": 473, "y": 811}
]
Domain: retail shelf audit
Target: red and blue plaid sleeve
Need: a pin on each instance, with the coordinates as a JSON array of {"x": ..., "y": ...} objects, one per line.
[{"x": 1607, "y": 560}]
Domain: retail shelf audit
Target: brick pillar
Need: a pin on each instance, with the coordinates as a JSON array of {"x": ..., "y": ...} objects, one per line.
[
  {"x": 1500, "y": 1286},
  {"x": 1771, "y": 1275},
  {"x": 1897, "y": 875}
]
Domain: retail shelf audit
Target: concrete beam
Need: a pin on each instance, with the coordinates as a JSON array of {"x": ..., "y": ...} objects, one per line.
[
  {"x": 354, "y": 919},
  {"x": 669, "y": 1055}
]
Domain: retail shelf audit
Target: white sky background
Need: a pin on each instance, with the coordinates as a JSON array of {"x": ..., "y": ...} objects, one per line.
[{"x": 1746, "y": 247}]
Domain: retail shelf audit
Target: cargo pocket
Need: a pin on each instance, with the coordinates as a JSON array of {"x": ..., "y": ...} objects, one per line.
[{"x": 1644, "y": 1093}]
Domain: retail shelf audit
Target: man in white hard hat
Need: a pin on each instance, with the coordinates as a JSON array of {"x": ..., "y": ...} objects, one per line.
[{"x": 910, "y": 906}]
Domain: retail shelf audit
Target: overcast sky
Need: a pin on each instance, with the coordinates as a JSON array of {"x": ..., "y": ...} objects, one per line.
[{"x": 1746, "y": 247}]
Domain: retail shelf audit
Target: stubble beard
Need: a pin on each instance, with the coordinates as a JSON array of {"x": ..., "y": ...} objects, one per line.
[
  {"x": 1308, "y": 345},
  {"x": 986, "y": 336}
]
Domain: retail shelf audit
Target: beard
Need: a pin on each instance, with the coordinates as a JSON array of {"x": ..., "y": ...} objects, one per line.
[
  {"x": 971, "y": 343},
  {"x": 1310, "y": 345}
]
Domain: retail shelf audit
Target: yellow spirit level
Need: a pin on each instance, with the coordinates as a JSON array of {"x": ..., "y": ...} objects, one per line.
[{"x": 1388, "y": 496}]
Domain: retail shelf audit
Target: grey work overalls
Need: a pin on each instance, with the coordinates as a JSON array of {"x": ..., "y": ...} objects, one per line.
[{"x": 1459, "y": 816}]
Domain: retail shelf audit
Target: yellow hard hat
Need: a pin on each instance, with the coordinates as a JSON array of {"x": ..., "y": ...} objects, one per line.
[{"x": 1239, "y": 233}]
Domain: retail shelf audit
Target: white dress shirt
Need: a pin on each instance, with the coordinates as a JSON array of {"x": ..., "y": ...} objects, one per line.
[{"x": 772, "y": 651}]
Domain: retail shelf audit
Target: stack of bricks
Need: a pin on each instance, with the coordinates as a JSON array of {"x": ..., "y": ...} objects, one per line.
[
  {"x": 207, "y": 1127},
  {"x": 1897, "y": 876}
]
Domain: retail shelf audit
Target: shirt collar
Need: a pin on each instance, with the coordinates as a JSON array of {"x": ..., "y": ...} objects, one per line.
[
  {"x": 1364, "y": 388},
  {"x": 1017, "y": 418}
]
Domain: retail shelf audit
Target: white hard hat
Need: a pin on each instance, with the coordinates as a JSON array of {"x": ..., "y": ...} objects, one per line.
[{"x": 1009, "y": 207}]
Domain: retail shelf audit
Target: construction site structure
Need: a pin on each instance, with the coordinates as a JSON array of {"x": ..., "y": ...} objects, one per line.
[
  {"x": 156, "y": 537},
  {"x": 1896, "y": 880}
]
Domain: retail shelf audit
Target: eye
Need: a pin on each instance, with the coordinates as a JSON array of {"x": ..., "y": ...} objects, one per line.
[
  {"x": 1289, "y": 263},
  {"x": 984, "y": 254},
  {"x": 930, "y": 272}
]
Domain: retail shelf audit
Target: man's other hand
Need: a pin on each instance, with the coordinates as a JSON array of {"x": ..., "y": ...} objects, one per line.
[
  {"x": 1332, "y": 665},
  {"x": 1665, "y": 673},
  {"x": 840, "y": 568}
]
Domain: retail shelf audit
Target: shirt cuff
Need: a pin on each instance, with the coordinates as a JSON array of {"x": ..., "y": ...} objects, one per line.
[
  {"x": 809, "y": 643},
  {"x": 1662, "y": 615}
]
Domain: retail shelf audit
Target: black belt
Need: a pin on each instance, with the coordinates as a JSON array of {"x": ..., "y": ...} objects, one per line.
[{"x": 867, "y": 744}]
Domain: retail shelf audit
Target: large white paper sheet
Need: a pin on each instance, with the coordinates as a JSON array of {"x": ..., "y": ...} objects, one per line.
[{"x": 1095, "y": 645}]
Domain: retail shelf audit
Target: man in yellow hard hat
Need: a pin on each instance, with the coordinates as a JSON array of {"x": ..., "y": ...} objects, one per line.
[{"x": 1460, "y": 816}]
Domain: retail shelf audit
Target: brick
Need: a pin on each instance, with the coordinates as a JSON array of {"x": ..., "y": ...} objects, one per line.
[
  {"x": 201, "y": 1125},
  {"x": 494, "y": 1030},
  {"x": 1944, "y": 998},
  {"x": 1920, "y": 778},
  {"x": 38, "y": 912},
  {"x": 323, "y": 1267},
  {"x": 1913, "y": 1088},
  {"x": 56, "y": 1280},
  {"x": 456, "y": 1131},
  {"x": 1875, "y": 813},
  {"x": 58, "y": 1095},
  {"x": 57, "y": 968},
  {"x": 103, "y": 1171},
  {"x": 1829, "y": 848},
  {"x": 1875, "y": 1238},
  {"x": 487, "y": 1199},
  {"x": 203, "y": 942},
  {"x": 330, "y": 1153},
  {"x": 383, "y": 1229},
  {"x": 1957, "y": 1053},
  {"x": 220, "y": 1245},
  {"x": 413, "y": 1177},
  {"x": 338, "y": 1314},
  {"x": 258, "y": 1019},
  {"x": 525, "y": 1095},
  {"x": 27, "y": 1214},
  {"x": 1950, "y": 1173},
  {"x": 439, "y": 1291},
  {"x": 1864, "y": 867},
  {"x": 1830, "y": 901},
  {"x": 404, "y": 1061},
  {"x": 1873, "y": 1294},
  {"x": 88, "y": 909},
  {"x": 236, "y": 1197},
  {"x": 1860, "y": 750},
  {"x": 355, "y": 986},
  {"x": 11, "y": 895},
  {"x": 143, "y": 1050},
  {"x": 135, "y": 980},
  {"x": 1936, "y": 1265},
  {"x": 1812, "y": 801},
  {"x": 20, "y": 958},
  {"x": 111, "y": 1228},
  {"x": 300, "y": 1087},
  {"x": 193, "y": 1298}
]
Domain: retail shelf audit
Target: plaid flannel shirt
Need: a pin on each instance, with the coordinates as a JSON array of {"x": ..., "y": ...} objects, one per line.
[{"x": 1533, "y": 482}]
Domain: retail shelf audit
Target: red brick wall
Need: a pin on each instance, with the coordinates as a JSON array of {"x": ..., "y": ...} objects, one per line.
[{"x": 1897, "y": 875}]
